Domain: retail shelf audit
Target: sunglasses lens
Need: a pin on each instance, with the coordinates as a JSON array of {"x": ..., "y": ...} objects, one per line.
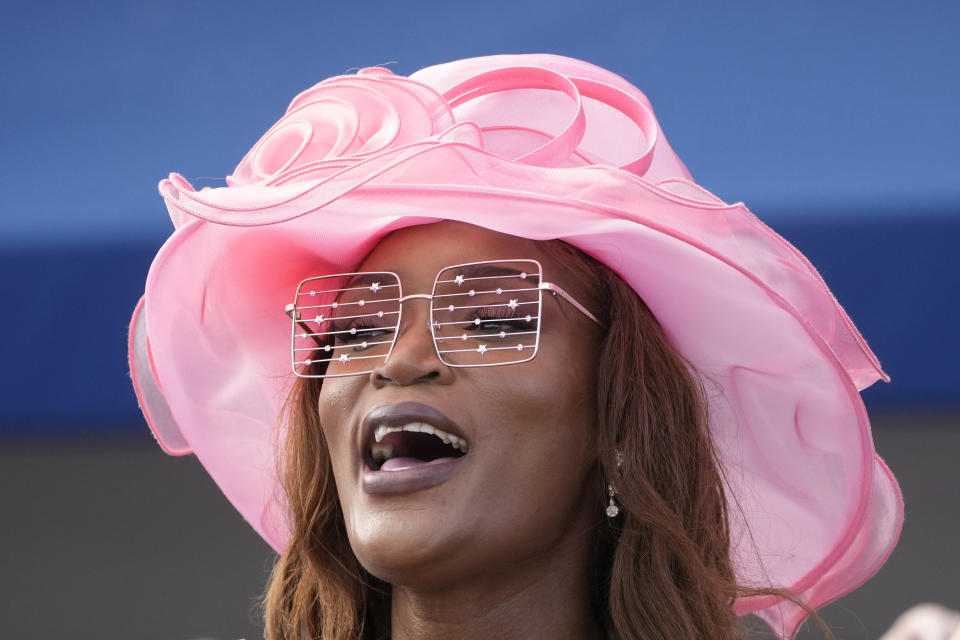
[
  {"x": 487, "y": 313},
  {"x": 347, "y": 323}
]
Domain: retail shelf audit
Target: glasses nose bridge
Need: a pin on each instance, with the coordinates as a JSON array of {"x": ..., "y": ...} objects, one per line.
[{"x": 415, "y": 296}]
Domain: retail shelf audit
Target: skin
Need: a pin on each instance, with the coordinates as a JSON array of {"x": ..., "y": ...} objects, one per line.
[{"x": 502, "y": 548}]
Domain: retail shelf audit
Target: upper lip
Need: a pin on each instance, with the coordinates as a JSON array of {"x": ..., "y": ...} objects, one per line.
[{"x": 401, "y": 413}]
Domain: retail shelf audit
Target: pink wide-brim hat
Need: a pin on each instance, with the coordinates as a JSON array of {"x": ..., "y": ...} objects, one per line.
[{"x": 543, "y": 147}]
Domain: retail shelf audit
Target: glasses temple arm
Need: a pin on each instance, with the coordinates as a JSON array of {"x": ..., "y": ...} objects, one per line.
[{"x": 554, "y": 289}]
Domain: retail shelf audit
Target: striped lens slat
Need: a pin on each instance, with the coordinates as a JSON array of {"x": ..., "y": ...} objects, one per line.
[
  {"x": 487, "y": 313},
  {"x": 345, "y": 324}
]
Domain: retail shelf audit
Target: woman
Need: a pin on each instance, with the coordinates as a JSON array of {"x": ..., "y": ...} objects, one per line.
[{"x": 537, "y": 382}]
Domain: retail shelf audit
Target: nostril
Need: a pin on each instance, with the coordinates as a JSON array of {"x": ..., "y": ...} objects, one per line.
[{"x": 410, "y": 362}]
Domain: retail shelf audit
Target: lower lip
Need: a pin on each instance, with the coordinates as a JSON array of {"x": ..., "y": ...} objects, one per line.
[{"x": 410, "y": 479}]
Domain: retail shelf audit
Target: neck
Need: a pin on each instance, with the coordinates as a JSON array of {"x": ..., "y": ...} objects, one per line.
[{"x": 545, "y": 597}]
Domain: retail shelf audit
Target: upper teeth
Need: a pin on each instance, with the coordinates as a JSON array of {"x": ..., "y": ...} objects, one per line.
[{"x": 422, "y": 427}]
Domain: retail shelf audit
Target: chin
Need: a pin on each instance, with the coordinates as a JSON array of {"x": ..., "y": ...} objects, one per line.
[{"x": 410, "y": 547}]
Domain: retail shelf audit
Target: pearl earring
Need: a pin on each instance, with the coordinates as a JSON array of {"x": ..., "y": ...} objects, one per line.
[{"x": 612, "y": 509}]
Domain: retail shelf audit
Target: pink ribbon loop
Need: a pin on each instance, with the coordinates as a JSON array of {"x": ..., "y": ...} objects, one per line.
[
  {"x": 553, "y": 152},
  {"x": 631, "y": 107}
]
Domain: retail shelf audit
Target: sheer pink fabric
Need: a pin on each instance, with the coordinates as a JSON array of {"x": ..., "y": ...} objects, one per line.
[{"x": 543, "y": 147}]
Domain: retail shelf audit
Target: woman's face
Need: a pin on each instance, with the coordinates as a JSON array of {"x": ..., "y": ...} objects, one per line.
[{"x": 523, "y": 489}]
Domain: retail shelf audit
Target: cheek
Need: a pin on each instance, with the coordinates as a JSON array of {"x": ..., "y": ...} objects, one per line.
[
  {"x": 335, "y": 406},
  {"x": 561, "y": 388},
  {"x": 538, "y": 458},
  {"x": 542, "y": 420},
  {"x": 543, "y": 400}
]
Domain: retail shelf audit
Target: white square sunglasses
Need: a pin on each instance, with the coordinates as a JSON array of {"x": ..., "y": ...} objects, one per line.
[{"x": 482, "y": 314}]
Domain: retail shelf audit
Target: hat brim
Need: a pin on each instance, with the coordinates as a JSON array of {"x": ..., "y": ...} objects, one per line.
[{"x": 781, "y": 362}]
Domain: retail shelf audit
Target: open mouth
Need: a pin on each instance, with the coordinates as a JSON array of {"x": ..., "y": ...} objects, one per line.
[{"x": 392, "y": 448}]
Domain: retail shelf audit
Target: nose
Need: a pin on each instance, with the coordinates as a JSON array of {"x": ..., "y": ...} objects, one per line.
[{"x": 414, "y": 358}]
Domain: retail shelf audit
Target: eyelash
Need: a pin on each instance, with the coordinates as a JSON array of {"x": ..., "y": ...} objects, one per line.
[
  {"x": 488, "y": 314},
  {"x": 367, "y": 327}
]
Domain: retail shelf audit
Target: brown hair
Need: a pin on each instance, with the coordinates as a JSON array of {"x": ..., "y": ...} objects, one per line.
[{"x": 661, "y": 569}]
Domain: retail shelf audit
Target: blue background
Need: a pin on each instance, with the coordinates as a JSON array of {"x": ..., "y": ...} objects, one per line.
[{"x": 835, "y": 122}]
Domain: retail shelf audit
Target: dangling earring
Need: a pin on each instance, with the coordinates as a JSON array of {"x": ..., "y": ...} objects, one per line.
[{"x": 612, "y": 509}]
